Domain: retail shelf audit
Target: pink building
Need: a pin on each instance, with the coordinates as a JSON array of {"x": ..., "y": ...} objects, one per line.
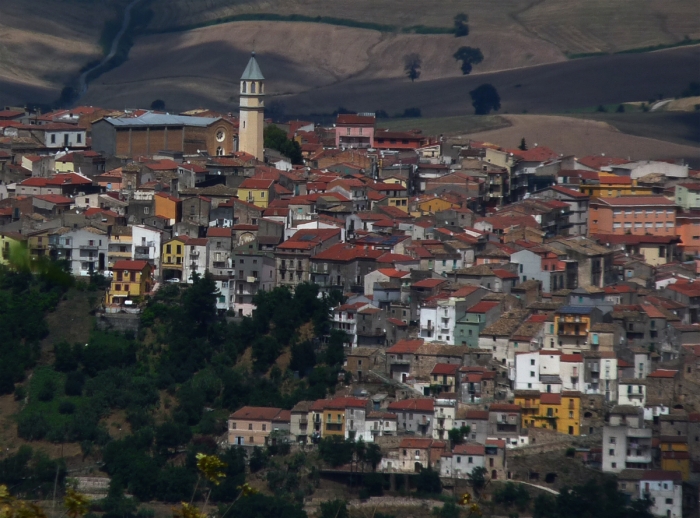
[{"x": 354, "y": 131}]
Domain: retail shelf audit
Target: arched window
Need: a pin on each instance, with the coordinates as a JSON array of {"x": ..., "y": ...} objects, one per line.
[
  {"x": 252, "y": 88},
  {"x": 243, "y": 86},
  {"x": 219, "y": 151}
]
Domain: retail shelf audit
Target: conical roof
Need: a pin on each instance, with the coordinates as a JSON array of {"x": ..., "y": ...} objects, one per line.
[{"x": 252, "y": 71}]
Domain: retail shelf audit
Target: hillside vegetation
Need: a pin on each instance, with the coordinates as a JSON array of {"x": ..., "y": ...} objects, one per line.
[{"x": 45, "y": 43}]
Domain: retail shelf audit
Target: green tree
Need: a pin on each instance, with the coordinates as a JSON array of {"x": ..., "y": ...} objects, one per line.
[
  {"x": 477, "y": 479},
  {"x": 469, "y": 56},
  {"x": 158, "y": 105},
  {"x": 428, "y": 481},
  {"x": 511, "y": 494},
  {"x": 448, "y": 510},
  {"x": 484, "y": 99},
  {"x": 523, "y": 145},
  {"x": 411, "y": 66},
  {"x": 457, "y": 435},
  {"x": 373, "y": 455},
  {"x": 461, "y": 22},
  {"x": 276, "y": 138}
]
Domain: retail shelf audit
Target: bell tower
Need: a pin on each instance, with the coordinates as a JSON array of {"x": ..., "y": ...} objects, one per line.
[{"x": 250, "y": 130}]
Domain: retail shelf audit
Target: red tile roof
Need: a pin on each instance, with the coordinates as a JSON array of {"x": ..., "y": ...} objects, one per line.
[
  {"x": 446, "y": 369},
  {"x": 254, "y": 183},
  {"x": 504, "y": 407},
  {"x": 469, "y": 449},
  {"x": 346, "y": 252},
  {"x": 54, "y": 198},
  {"x": 428, "y": 283},
  {"x": 569, "y": 192},
  {"x": 405, "y": 346},
  {"x": 477, "y": 415},
  {"x": 416, "y": 405},
  {"x": 130, "y": 265},
  {"x": 634, "y": 201},
  {"x": 218, "y": 232},
  {"x": 483, "y": 306},
  {"x": 256, "y": 413},
  {"x": 663, "y": 373},
  {"x": 572, "y": 358},
  {"x": 393, "y": 273},
  {"x": 350, "y": 119},
  {"x": 550, "y": 399}
]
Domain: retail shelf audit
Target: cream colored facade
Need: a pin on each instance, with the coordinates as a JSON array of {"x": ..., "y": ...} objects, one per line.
[{"x": 252, "y": 108}]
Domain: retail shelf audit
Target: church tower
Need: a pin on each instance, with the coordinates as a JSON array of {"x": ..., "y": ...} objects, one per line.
[{"x": 250, "y": 129}]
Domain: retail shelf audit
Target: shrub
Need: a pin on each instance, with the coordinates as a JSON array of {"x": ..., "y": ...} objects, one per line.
[
  {"x": 47, "y": 390},
  {"x": 74, "y": 384},
  {"x": 32, "y": 427},
  {"x": 66, "y": 407},
  {"x": 20, "y": 393}
]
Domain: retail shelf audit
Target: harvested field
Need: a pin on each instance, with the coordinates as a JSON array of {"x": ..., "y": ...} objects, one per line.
[
  {"x": 43, "y": 45},
  {"x": 572, "y": 26},
  {"x": 579, "y": 137},
  {"x": 299, "y": 57},
  {"x": 447, "y": 125}
]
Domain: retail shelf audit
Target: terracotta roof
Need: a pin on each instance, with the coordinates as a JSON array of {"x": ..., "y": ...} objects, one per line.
[
  {"x": 257, "y": 413},
  {"x": 397, "y": 322},
  {"x": 477, "y": 415},
  {"x": 496, "y": 442},
  {"x": 657, "y": 474},
  {"x": 355, "y": 120},
  {"x": 469, "y": 449},
  {"x": 130, "y": 265},
  {"x": 218, "y": 232},
  {"x": 447, "y": 369},
  {"x": 418, "y": 405},
  {"x": 569, "y": 192},
  {"x": 405, "y": 346},
  {"x": 346, "y": 252},
  {"x": 632, "y": 201},
  {"x": 428, "y": 283},
  {"x": 254, "y": 183},
  {"x": 663, "y": 373},
  {"x": 572, "y": 358},
  {"x": 550, "y": 399},
  {"x": 54, "y": 198}
]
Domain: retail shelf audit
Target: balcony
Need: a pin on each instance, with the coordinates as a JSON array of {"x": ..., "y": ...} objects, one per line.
[
  {"x": 251, "y": 278},
  {"x": 88, "y": 247},
  {"x": 641, "y": 433},
  {"x": 400, "y": 362},
  {"x": 194, "y": 254},
  {"x": 639, "y": 457},
  {"x": 219, "y": 264},
  {"x": 303, "y": 420},
  {"x": 141, "y": 256}
]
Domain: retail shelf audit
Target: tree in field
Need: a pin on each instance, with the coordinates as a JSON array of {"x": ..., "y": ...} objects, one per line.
[
  {"x": 484, "y": 99},
  {"x": 457, "y": 435},
  {"x": 523, "y": 145},
  {"x": 158, "y": 105},
  {"x": 411, "y": 65},
  {"x": 428, "y": 481},
  {"x": 468, "y": 56},
  {"x": 461, "y": 25}
]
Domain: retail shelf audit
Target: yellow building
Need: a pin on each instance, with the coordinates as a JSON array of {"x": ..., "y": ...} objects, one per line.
[
  {"x": 130, "y": 279},
  {"x": 173, "y": 257},
  {"x": 612, "y": 186},
  {"x": 334, "y": 418},
  {"x": 675, "y": 455},
  {"x": 396, "y": 180},
  {"x": 560, "y": 412},
  {"x": 433, "y": 204},
  {"x": 38, "y": 244},
  {"x": 256, "y": 191},
  {"x": 8, "y": 242}
]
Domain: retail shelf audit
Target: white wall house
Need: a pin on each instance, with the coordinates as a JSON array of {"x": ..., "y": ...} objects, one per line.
[
  {"x": 196, "y": 258},
  {"x": 146, "y": 246}
]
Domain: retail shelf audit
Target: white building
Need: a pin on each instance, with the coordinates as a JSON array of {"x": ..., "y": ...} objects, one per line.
[
  {"x": 438, "y": 319},
  {"x": 665, "y": 489},
  {"x": 626, "y": 441},
  {"x": 379, "y": 424},
  {"x": 600, "y": 375},
  {"x": 146, "y": 246},
  {"x": 196, "y": 258},
  {"x": 571, "y": 372},
  {"x": 462, "y": 461},
  {"x": 444, "y": 417},
  {"x": 632, "y": 392},
  {"x": 345, "y": 319}
]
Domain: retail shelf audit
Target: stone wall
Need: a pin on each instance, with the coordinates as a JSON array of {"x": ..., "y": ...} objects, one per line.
[{"x": 121, "y": 322}]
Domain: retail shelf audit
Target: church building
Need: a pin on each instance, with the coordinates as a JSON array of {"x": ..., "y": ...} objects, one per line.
[{"x": 250, "y": 130}]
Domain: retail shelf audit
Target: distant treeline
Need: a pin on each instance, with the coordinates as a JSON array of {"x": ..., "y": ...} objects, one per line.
[{"x": 343, "y": 22}]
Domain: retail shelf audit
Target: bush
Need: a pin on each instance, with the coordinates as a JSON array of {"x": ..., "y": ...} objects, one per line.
[
  {"x": 32, "y": 427},
  {"x": 20, "y": 393},
  {"x": 428, "y": 481},
  {"x": 66, "y": 407},
  {"x": 47, "y": 390},
  {"x": 74, "y": 384}
]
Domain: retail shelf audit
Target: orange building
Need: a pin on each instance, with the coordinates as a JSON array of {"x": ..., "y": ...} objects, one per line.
[
  {"x": 637, "y": 215},
  {"x": 688, "y": 229},
  {"x": 167, "y": 206}
]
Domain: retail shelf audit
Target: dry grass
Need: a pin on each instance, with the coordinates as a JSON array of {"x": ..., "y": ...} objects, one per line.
[
  {"x": 44, "y": 43},
  {"x": 572, "y": 26},
  {"x": 448, "y": 125},
  {"x": 573, "y": 136}
]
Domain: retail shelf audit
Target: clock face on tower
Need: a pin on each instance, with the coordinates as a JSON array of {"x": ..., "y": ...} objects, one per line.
[{"x": 220, "y": 135}]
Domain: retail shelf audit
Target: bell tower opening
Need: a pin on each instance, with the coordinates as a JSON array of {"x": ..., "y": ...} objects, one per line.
[{"x": 252, "y": 110}]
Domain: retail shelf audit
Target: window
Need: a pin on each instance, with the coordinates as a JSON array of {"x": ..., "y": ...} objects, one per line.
[
  {"x": 252, "y": 88},
  {"x": 532, "y": 362},
  {"x": 243, "y": 86},
  {"x": 233, "y": 425},
  {"x": 147, "y": 210},
  {"x": 613, "y": 465},
  {"x": 459, "y": 460},
  {"x": 264, "y": 427},
  {"x": 79, "y": 138},
  {"x": 611, "y": 452},
  {"x": 532, "y": 374},
  {"x": 250, "y": 426},
  {"x": 613, "y": 440}
]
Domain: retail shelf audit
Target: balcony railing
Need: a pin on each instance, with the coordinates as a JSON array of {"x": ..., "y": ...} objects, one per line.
[
  {"x": 88, "y": 247},
  {"x": 139, "y": 256}
]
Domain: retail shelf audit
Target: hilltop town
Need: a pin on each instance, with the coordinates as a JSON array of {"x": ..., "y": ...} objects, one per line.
[{"x": 495, "y": 306}]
